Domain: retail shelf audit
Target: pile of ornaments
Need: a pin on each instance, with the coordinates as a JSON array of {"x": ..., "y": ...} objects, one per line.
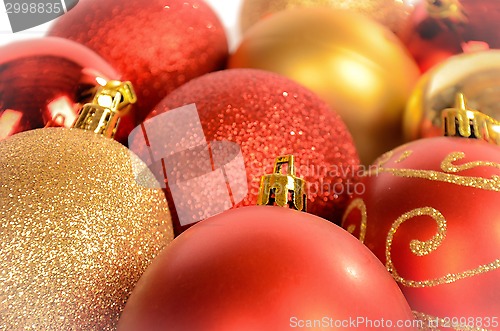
[{"x": 389, "y": 107}]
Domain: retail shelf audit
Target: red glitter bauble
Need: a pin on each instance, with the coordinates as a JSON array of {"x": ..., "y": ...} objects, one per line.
[
  {"x": 268, "y": 115},
  {"x": 430, "y": 213},
  {"x": 439, "y": 29},
  {"x": 266, "y": 268},
  {"x": 157, "y": 44},
  {"x": 45, "y": 82}
]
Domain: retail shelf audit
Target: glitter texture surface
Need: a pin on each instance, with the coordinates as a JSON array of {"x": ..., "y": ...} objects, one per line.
[
  {"x": 157, "y": 44},
  {"x": 77, "y": 230},
  {"x": 268, "y": 115}
]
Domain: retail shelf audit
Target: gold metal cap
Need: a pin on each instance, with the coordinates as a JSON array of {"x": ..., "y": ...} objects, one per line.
[
  {"x": 282, "y": 188},
  {"x": 465, "y": 122},
  {"x": 110, "y": 102},
  {"x": 451, "y": 10}
]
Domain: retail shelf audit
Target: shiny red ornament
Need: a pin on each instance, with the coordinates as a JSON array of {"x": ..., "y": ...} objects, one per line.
[
  {"x": 439, "y": 29},
  {"x": 430, "y": 213},
  {"x": 45, "y": 82},
  {"x": 264, "y": 268},
  {"x": 157, "y": 44},
  {"x": 267, "y": 115}
]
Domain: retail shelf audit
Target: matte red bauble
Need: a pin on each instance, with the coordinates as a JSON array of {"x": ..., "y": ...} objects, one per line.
[
  {"x": 265, "y": 268},
  {"x": 266, "y": 115},
  {"x": 157, "y": 44},
  {"x": 45, "y": 82},
  {"x": 439, "y": 29},
  {"x": 430, "y": 213}
]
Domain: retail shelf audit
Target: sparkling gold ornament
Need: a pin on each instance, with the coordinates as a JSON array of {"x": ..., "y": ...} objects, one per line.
[
  {"x": 78, "y": 226},
  {"x": 359, "y": 67},
  {"x": 475, "y": 75},
  {"x": 391, "y": 13}
]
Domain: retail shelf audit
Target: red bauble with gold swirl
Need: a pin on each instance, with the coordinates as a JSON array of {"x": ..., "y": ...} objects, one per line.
[{"x": 430, "y": 213}]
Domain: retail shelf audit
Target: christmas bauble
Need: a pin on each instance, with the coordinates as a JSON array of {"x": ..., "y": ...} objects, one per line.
[
  {"x": 266, "y": 115},
  {"x": 430, "y": 214},
  {"x": 45, "y": 82},
  {"x": 392, "y": 13},
  {"x": 476, "y": 75},
  {"x": 264, "y": 268},
  {"x": 439, "y": 29},
  {"x": 78, "y": 229},
  {"x": 356, "y": 65},
  {"x": 158, "y": 44}
]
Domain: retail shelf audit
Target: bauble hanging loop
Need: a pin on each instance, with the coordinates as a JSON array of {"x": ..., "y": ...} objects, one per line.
[
  {"x": 282, "y": 188},
  {"x": 462, "y": 121},
  {"x": 103, "y": 114}
]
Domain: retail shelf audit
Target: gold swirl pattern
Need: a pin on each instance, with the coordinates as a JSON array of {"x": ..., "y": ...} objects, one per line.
[
  {"x": 404, "y": 156},
  {"x": 361, "y": 206},
  {"x": 384, "y": 159},
  {"x": 420, "y": 248},
  {"x": 433, "y": 323},
  {"x": 449, "y": 171},
  {"x": 448, "y": 166}
]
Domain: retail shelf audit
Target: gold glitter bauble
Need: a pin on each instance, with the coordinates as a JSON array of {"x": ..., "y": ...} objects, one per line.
[
  {"x": 77, "y": 229},
  {"x": 475, "y": 75},
  {"x": 391, "y": 13},
  {"x": 355, "y": 64}
]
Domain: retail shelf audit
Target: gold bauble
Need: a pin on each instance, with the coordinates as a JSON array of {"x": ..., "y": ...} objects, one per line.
[
  {"x": 77, "y": 229},
  {"x": 355, "y": 64},
  {"x": 391, "y": 13},
  {"x": 475, "y": 75}
]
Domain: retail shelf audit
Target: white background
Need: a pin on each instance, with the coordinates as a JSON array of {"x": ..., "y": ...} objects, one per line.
[{"x": 228, "y": 11}]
